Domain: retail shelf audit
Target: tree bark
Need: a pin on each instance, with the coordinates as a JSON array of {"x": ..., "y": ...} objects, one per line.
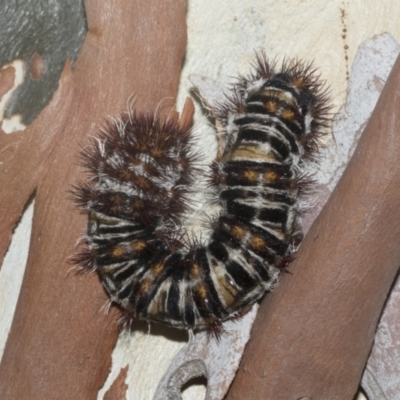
[
  {"x": 312, "y": 336},
  {"x": 60, "y": 342}
]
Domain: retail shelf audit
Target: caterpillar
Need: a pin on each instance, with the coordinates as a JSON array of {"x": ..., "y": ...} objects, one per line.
[{"x": 142, "y": 169}]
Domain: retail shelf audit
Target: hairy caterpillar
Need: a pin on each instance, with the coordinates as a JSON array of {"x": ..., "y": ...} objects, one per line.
[{"x": 141, "y": 171}]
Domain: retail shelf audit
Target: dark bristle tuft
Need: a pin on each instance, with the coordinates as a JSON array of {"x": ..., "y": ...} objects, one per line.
[
  {"x": 84, "y": 259},
  {"x": 262, "y": 67},
  {"x": 215, "y": 330},
  {"x": 286, "y": 261},
  {"x": 304, "y": 183},
  {"x": 81, "y": 194},
  {"x": 233, "y": 104},
  {"x": 127, "y": 319},
  {"x": 216, "y": 175}
]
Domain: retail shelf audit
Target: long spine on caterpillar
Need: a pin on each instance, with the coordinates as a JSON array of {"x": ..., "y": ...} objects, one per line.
[{"x": 141, "y": 175}]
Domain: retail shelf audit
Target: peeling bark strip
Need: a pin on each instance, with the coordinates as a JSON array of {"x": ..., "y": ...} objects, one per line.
[
  {"x": 60, "y": 341},
  {"x": 119, "y": 387},
  {"x": 317, "y": 329}
]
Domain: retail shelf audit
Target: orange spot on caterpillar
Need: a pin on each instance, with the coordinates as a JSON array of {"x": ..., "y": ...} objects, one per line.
[
  {"x": 238, "y": 232},
  {"x": 288, "y": 114},
  {"x": 195, "y": 271},
  {"x": 201, "y": 291},
  {"x": 137, "y": 203},
  {"x": 257, "y": 243},
  {"x": 118, "y": 251},
  {"x": 126, "y": 175},
  {"x": 250, "y": 175},
  {"x": 157, "y": 268},
  {"x": 271, "y": 106},
  {"x": 270, "y": 177},
  {"x": 138, "y": 245},
  {"x": 299, "y": 82},
  {"x": 143, "y": 183},
  {"x": 144, "y": 286},
  {"x": 157, "y": 152}
]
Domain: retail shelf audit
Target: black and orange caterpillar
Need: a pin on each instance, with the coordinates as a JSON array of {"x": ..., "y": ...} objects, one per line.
[{"x": 142, "y": 169}]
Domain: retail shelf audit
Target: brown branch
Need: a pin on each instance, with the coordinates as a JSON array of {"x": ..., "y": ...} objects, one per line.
[
  {"x": 312, "y": 336},
  {"x": 60, "y": 341},
  {"x": 25, "y": 156}
]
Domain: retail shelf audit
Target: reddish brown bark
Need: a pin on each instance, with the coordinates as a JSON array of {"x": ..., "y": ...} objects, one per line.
[
  {"x": 60, "y": 341},
  {"x": 7, "y": 76},
  {"x": 313, "y": 335},
  {"x": 118, "y": 388}
]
